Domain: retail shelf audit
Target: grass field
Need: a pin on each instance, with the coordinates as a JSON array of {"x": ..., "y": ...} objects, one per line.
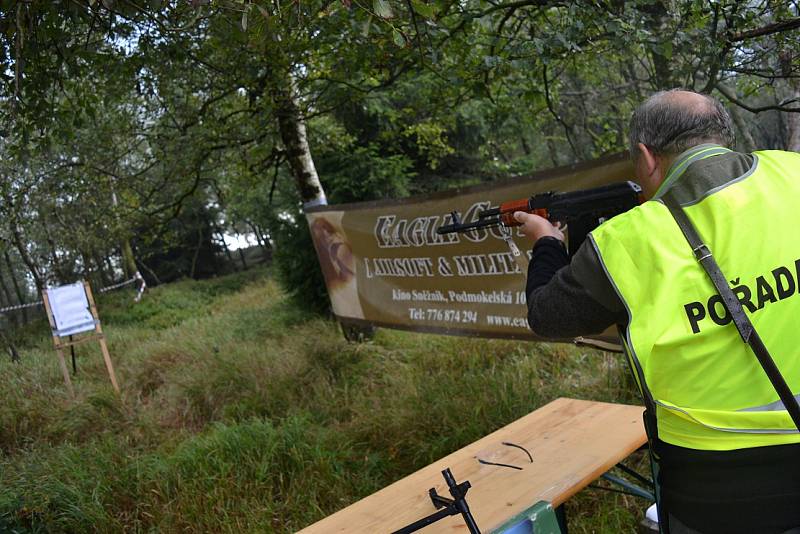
[{"x": 242, "y": 413}]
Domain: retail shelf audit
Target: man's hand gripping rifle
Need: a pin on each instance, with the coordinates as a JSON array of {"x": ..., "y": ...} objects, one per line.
[{"x": 581, "y": 211}]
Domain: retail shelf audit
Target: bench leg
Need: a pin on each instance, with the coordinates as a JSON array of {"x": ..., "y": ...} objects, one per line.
[
  {"x": 538, "y": 519},
  {"x": 561, "y": 517}
]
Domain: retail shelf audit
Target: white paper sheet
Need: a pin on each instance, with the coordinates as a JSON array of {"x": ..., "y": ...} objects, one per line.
[{"x": 70, "y": 309}]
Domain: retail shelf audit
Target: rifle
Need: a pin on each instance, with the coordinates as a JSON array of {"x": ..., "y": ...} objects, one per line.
[{"x": 582, "y": 211}]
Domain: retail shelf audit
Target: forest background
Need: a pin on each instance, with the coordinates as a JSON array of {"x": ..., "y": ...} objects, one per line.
[
  {"x": 136, "y": 134},
  {"x": 141, "y": 135}
]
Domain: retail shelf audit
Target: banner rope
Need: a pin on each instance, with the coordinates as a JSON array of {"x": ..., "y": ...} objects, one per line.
[
  {"x": 21, "y": 306},
  {"x": 136, "y": 278}
]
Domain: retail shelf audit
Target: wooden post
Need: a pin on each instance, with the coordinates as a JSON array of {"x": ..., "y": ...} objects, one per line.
[
  {"x": 98, "y": 335},
  {"x": 57, "y": 343},
  {"x": 101, "y": 337}
]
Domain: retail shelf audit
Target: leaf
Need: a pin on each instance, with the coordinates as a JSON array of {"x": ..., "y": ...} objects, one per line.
[
  {"x": 479, "y": 90},
  {"x": 398, "y": 38},
  {"x": 383, "y": 9},
  {"x": 492, "y": 61},
  {"x": 663, "y": 49},
  {"x": 667, "y": 50},
  {"x": 487, "y": 23},
  {"x": 244, "y": 21},
  {"x": 425, "y": 10}
]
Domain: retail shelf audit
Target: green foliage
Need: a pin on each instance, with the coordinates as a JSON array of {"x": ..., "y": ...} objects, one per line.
[
  {"x": 430, "y": 141},
  {"x": 361, "y": 174},
  {"x": 164, "y": 124},
  {"x": 297, "y": 267}
]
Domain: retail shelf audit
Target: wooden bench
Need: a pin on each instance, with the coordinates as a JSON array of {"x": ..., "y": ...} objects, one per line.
[{"x": 572, "y": 443}]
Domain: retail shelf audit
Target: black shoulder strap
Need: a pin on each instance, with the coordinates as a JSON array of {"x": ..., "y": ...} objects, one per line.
[{"x": 734, "y": 307}]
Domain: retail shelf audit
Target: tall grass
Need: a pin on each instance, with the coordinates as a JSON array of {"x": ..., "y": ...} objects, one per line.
[{"x": 242, "y": 413}]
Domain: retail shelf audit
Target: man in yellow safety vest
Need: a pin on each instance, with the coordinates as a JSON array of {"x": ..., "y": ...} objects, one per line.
[{"x": 726, "y": 451}]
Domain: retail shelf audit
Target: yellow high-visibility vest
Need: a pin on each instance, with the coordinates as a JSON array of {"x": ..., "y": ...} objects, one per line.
[{"x": 708, "y": 387}]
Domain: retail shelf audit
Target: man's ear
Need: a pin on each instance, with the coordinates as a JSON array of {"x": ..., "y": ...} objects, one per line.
[{"x": 648, "y": 158}]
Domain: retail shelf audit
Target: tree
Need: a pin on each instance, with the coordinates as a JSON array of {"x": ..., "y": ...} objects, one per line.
[{"x": 130, "y": 127}]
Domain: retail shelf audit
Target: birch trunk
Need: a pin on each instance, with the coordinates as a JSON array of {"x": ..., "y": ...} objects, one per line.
[{"x": 292, "y": 127}]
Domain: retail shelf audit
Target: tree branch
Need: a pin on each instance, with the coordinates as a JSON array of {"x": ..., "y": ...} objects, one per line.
[
  {"x": 777, "y": 107},
  {"x": 769, "y": 29},
  {"x": 555, "y": 114}
]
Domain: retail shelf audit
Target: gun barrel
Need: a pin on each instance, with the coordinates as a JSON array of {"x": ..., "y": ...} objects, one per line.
[{"x": 465, "y": 227}]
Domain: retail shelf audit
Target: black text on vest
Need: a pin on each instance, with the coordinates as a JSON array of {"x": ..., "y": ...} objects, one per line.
[{"x": 780, "y": 284}]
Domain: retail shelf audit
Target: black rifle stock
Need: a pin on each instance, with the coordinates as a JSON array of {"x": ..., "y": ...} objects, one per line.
[{"x": 582, "y": 211}]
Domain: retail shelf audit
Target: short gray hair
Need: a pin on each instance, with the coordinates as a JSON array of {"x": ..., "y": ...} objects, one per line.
[{"x": 667, "y": 124}]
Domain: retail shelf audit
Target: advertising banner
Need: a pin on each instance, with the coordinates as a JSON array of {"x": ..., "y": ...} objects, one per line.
[{"x": 385, "y": 265}]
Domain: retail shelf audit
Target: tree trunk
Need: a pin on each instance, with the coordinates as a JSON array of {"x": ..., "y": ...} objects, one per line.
[
  {"x": 196, "y": 252},
  {"x": 552, "y": 151},
  {"x": 17, "y": 289},
  {"x": 128, "y": 259},
  {"x": 261, "y": 237},
  {"x": 221, "y": 237},
  {"x": 152, "y": 273},
  {"x": 12, "y": 350},
  {"x": 661, "y": 63},
  {"x": 257, "y": 233},
  {"x": 8, "y": 300},
  {"x": 57, "y": 268},
  {"x": 746, "y": 141},
  {"x": 89, "y": 273},
  {"x": 292, "y": 128},
  {"x": 101, "y": 269},
  {"x": 526, "y": 148},
  {"x": 226, "y": 249},
  {"x": 111, "y": 272},
  {"x": 793, "y": 124},
  {"x": 28, "y": 260},
  {"x": 6, "y": 293}
]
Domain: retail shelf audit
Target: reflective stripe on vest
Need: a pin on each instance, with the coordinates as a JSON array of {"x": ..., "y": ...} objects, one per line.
[{"x": 709, "y": 390}]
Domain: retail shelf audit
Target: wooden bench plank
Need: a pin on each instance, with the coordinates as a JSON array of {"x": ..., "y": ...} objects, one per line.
[{"x": 572, "y": 442}]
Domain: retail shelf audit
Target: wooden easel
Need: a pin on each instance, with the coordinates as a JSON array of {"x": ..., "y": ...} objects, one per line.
[{"x": 60, "y": 343}]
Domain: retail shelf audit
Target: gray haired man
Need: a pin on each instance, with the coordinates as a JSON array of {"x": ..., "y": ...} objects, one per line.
[{"x": 727, "y": 452}]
